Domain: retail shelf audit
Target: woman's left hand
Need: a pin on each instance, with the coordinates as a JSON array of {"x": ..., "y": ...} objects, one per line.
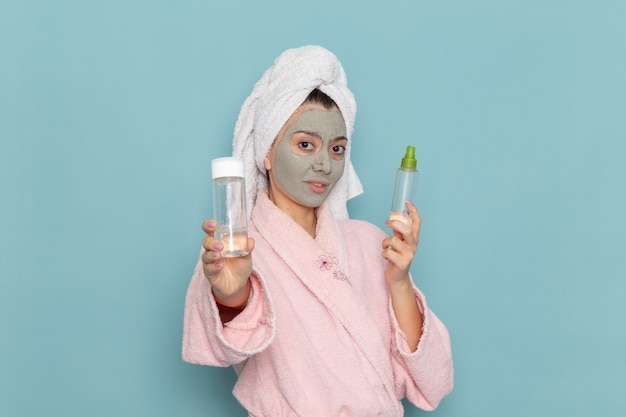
[{"x": 400, "y": 248}]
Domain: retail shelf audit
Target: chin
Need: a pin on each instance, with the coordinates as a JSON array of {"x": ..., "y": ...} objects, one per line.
[{"x": 315, "y": 201}]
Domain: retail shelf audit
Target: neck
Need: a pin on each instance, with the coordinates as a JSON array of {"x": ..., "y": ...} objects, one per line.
[{"x": 306, "y": 217}]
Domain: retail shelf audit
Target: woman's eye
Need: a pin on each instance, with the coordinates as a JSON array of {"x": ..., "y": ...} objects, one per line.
[
  {"x": 307, "y": 146},
  {"x": 339, "y": 150}
]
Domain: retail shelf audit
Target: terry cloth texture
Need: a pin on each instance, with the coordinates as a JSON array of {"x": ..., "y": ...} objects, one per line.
[
  {"x": 319, "y": 336},
  {"x": 281, "y": 90}
]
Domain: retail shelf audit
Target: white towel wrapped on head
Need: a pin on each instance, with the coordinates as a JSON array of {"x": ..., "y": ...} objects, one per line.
[{"x": 281, "y": 90}]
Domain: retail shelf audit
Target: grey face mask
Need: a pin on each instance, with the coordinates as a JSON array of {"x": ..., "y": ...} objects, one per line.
[{"x": 309, "y": 158}]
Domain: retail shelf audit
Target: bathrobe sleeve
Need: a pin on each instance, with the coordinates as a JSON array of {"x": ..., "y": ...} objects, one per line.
[
  {"x": 206, "y": 341},
  {"x": 425, "y": 376}
]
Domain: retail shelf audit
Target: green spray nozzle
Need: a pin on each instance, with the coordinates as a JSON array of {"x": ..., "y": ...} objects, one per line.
[{"x": 409, "y": 161}]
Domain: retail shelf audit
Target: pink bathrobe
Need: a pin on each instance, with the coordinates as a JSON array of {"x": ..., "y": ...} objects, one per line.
[{"x": 318, "y": 336}]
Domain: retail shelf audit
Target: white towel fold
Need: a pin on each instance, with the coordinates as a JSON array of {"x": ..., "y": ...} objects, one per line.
[{"x": 281, "y": 90}]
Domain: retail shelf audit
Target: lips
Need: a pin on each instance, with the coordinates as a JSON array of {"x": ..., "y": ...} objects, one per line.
[{"x": 318, "y": 187}]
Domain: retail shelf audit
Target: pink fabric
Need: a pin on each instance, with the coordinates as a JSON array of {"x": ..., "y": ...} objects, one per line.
[{"x": 319, "y": 336}]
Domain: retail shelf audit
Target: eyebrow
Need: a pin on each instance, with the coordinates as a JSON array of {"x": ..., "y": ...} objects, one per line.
[{"x": 310, "y": 133}]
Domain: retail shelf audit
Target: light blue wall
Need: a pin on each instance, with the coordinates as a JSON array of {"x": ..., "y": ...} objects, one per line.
[{"x": 110, "y": 112}]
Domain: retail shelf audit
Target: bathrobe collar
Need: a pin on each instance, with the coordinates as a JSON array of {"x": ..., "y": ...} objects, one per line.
[{"x": 321, "y": 264}]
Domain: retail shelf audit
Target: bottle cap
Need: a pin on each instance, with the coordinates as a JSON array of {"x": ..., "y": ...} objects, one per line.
[
  {"x": 409, "y": 161},
  {"x": 231, "y": 166}
]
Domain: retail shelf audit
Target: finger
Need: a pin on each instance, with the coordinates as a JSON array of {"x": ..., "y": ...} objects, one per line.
[
  {"x": 209, "y": 227},
  {"x": 212, "y": 251},
  {"x": 209, "y": 243},
  {"x": 416, "y": 219},
  {"x": 412, "y": 209},
  {"x": 209, "y": 257},
  {"x": 395, "y": 244},
  {"x": 399, "y": 246},
  {"x": 399, "y": 227},
  {"x": 398, "y": 259},
  {"x": 387, "y": 242},
  {"x": 402, "y": 231},
  {"x": 212, "y": 269}
]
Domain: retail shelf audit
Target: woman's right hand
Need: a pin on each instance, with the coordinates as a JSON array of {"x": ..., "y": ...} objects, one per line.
[{"x": 229, "y": 277}]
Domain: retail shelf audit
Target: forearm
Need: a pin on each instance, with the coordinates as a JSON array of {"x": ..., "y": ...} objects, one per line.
[
  {"x": 230, "y": 307},
  {"x": 407, "y": 312},
  {"x": 206, "y": 343},
  {"x": 238, "y": 299}
]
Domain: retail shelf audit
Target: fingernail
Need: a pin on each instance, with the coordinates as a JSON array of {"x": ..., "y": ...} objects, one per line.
[
  {"x": 218, "y": 265},
  {"x": 218, "y": 246},
  {"x": 409, "y": 203},
  {"x": 211, "y": 223}
]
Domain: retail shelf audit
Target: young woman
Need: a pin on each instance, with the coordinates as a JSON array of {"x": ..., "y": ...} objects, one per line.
[{"x": 322, "y": 318}]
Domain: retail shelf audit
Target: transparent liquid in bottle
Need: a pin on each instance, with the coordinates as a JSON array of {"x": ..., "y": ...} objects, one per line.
[
  {"x": 400, "y": 215},
  {"x": 235, "y": 241}
]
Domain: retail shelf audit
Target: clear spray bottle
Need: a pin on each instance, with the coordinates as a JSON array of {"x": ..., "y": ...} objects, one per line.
[{"x": 404, "y": 188}]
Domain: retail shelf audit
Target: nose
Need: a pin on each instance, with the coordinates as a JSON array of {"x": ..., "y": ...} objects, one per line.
[{"x": 321, "y": 163}]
